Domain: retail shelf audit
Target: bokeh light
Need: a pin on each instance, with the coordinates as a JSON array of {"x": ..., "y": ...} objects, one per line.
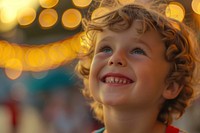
[
  {"x": 82, "y": 3},
  {"x": 196, "y": 6},
  {"x": 13, "y": 68},
  {"x": 4, "y": 27},
  {"x": 39, "y": 58},
  {"x": 9, "y": 10},
  {"x": 19, "y": 53},
  {"x": 35, "y": 57},
  {"x": 8, "y": 52},
  {"x": 26, "y": 16},
  {"x": 48, "y": 3},
  {"x": 55, "y": 54},
  {"x": 71, "y": 18},
  {"x": 8, "y": 14},
  {"x": 176, "y": 11},
  {"x": 48, "y": 18}
]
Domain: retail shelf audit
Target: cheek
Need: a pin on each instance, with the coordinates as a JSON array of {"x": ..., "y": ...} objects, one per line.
[
  {"x": 150, "y": 78},
  {"x": 94, "y": 75},
  {"x": 94, "y": 68}
]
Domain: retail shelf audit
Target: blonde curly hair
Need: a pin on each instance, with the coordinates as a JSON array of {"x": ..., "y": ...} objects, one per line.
[{"x": 181, "y": 51}]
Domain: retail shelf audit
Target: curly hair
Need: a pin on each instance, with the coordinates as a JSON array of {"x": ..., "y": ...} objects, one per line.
[{"x": 180, "y": 50}]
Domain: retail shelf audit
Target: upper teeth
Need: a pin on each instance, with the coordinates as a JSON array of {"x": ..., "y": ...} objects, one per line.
[{"x": 117, "y": 80}]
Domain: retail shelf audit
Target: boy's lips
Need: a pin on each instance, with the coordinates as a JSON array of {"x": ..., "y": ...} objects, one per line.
[{"x": 116, "y": 78}]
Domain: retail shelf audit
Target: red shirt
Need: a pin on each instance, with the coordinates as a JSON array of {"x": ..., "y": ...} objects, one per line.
[{"x": 171, "y": 129}]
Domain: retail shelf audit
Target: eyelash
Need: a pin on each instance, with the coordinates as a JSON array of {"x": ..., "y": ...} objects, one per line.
[
  {"x": 142, "y": 52},
  {"x": 134, "y": 51},
  {"x": 104, "y": 48}
]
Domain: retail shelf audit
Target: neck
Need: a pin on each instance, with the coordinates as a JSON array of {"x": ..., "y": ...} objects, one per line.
[{"x": 123, "y": 121}]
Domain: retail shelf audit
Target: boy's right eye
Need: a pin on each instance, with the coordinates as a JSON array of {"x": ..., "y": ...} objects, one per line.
[{"x": 106, "y": 49}]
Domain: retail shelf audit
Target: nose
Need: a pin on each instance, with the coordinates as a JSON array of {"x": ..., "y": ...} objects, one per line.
[{"x": 117, "y": 60}]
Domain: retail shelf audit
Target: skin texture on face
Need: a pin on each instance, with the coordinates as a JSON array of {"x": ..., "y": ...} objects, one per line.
[{"x": 128, "y": 71}]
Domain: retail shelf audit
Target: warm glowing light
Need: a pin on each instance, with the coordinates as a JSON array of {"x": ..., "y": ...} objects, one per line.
[
  {"x": 48, "y": 3},
  {"x": 82, "y": 3},
  {"x": 55, "y": 54},
  {"x": 8, "y": 52},
  {"x": 71, "y": 18},
  {"x": 8, "y": 26},
  {"x": 17, "y": 58},
  {"x": 65, "y": 49},
  {"x": 8, "y": 14},
  {"x": 126, "y": 1},
  {"x": 35, "y": 57},
  {"x": 48, "y": 17},
  {"x": 76, "y": 43},
  {"x": 99, "y": 12},
  {"x": 176, "y": 11},
  {"x": 19, "y": 53},
  {"x": 196, "y": 6},
  {"x": 9, "y": 10},
  {"x": 26, "y": 16},
  {"x": 13, "y": 68},
  {"x": 1, "y": 51}
]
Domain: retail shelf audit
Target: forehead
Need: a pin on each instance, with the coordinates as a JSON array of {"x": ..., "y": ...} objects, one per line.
[{"x": 134, "y": 32}]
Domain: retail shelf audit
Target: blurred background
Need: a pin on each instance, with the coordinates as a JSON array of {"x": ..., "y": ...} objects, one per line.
[{"x": 39, "y": 43}]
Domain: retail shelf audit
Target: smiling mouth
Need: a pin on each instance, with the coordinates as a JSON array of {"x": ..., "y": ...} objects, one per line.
[
  {"x": 113, "y": 79},
  {"x": 117, "y": 80}
]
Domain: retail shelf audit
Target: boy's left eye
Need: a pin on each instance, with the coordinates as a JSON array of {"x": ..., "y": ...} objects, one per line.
[
  {"x": 138, "y": 51},
  {"x": 106, "y": 49}
]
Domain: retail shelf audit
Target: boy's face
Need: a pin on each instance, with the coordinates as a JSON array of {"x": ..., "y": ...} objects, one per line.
[{"x": 129, "y": 70}]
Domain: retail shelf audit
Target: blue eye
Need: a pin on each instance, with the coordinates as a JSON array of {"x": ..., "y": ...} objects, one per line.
[
  {"x": 138, "y": 51},
  {"x": 106, "y": 49}
]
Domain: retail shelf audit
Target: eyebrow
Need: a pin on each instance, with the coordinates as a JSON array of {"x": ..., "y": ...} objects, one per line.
[
  {"x": 108, "y": 38},
  {"x": 143, "y": 42},
  {"x": 135, "y": 39}
]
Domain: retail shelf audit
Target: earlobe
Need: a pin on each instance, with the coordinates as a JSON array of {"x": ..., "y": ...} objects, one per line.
[{"x": 172, "y": 91}]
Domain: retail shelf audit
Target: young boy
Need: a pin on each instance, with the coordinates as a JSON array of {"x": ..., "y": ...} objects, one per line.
[{"x": 142, "y": 70}]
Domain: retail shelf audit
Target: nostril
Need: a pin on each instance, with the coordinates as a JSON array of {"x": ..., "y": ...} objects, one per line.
[
  {"x": 110, "y": 62},
  {"x": 117, "y": 61},
  {"x": 120, "y": 63}
]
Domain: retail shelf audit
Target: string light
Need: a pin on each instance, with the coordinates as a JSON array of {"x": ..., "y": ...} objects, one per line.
[
  {"x": 13, "y": 68},
  {"x": 35, "y": 57},
  {"x": 48, "y": 18},
  {"x": 176, "y": 11},
  {"x": 82, "y": 3},
  {"x": 8, "y": 14},
  {"x": 26, "y": 16},
  {"x": 9, "y": 10},
  {"x": 196, "y": 6},
  {"x": 71, "y": 18},
  {"x": 48, "y": 3}
]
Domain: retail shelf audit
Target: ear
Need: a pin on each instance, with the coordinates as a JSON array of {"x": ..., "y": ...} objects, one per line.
[{"x": 172, "y": 91}]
